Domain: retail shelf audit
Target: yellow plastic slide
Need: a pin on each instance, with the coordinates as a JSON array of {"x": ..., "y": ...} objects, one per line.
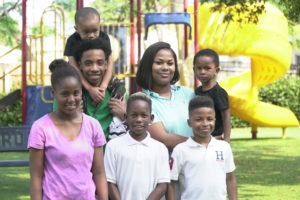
[{"x": 266, "y": 43}]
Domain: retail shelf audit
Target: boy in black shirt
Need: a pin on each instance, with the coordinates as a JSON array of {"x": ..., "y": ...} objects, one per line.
[
  {"x": 87, "y": 26},
  {"x": 206, "y": 68}
]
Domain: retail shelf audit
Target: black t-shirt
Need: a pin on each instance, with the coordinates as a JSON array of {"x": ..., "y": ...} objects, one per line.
[
  {"x": 75, "y": 39},
  {"x": 220, "y": 98}
]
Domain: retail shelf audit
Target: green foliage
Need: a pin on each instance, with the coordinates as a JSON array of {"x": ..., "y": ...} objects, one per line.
[
  {"x": 11, "y": 115},
  {"x": 285, "y": 92},
  {"x": 119, "y": 10},
  {"x": 238, "y": 123},
  {"x": 243, "y": 11},
  {"x": 9, "y": 32}
]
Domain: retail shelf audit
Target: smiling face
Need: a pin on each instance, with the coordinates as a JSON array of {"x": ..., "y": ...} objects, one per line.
[
  {"x": 93, "y": 66},
  {"x": 68, "y": 95},
  {"x": 205, "y": 69},
  {"x": 138, "y": 118},
  {"x": 202, "y": 120},
  {"x": 163, "y": 68},
  {"x": 88, "y": 28}
]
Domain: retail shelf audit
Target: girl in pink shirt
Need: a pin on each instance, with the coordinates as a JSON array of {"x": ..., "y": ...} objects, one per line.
[{"x": 65, "y": 146}]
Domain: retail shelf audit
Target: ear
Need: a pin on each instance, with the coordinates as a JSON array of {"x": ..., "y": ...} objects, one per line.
[
  {"x": 75, "y": 27},
  {"x": 52, "y": 92},
  {"x": 125, "y": 116},
  {"x": 217, "y": 69},
  {"x": 189, "y": 122},
  {"x": 79, "y": 65},
  {"x": 151, "y": 118}
]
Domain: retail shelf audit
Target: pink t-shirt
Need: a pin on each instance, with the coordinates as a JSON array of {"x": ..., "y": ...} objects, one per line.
[{"x": 67, "y": 164}]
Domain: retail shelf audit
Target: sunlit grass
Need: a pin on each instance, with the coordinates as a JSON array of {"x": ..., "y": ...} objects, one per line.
[{"x": 268, "y": 168}]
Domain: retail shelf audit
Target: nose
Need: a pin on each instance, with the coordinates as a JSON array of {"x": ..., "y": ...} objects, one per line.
[
  {"x": 165, "y": 66},
  {"x": 71, "y": 98},
  {"x": 91, "y": 36},
  {"x": 95, "y": 68}
]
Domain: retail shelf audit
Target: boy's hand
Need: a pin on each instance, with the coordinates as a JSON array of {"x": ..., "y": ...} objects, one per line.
[
  {"x": 97, "y": 94},
  {"x": 118, "y": 107}
]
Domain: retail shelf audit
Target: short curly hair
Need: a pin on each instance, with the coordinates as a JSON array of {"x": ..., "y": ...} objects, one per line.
[{"x": 86, "y": 45}]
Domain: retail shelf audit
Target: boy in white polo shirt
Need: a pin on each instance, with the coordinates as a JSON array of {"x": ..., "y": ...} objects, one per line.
[
  {"x": 202, "y": 165},
  {"x": 137, "y": 166}
]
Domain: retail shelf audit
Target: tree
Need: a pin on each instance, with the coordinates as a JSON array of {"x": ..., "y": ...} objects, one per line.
[
  {"x": 9, "y": 32},
  {"x": 251, "y": 9}
]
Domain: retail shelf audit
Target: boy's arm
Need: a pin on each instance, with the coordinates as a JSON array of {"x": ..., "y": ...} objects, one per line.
[
  {"x": 226, "y": 124},
  {"x": 36, "y": 163},
  {"x": 171, "y": 194},
  {"x": 99, "y": 174},
  {"x": 118, "y": 107},
  {"x": 159, "y": 191},
  {"x": 95, "y": 92},
  {"x": 114, "y": 193},
  {"x": 231, "y": 186},
  {"x": 107, "y": 76}
]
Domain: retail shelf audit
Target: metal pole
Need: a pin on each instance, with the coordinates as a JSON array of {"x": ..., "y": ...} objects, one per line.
[
  {"x": 132, "y": 33},
  {"x": 24, "y": 59},
  {"x": 196, "y": 35},
  {"x": 186, "y": 51},
  {"x": 79, "y": 4},
  {"x": 139, "y": 28}
]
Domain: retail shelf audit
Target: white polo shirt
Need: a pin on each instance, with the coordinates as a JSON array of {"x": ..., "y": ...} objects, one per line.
[
  {"x": 136, "y": 167},
  {"x": 201, "y": 171}
]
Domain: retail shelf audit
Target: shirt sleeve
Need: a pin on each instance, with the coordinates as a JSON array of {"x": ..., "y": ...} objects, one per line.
[
  {"x": 163, "y": 166},
  {"x": 36, "y": 137},
  {"x": 69, "y": 46},
  {"x": 110, "y": 164},
  {"x": 229, "y": 163},
  {"x": 175, "y": 164},
  {"x": 98, "y": 137},
  {"x": 221, "y": 100}
]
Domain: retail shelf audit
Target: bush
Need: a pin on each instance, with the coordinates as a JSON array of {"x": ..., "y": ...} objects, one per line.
[
  {"x": 238, "y": 123},
  {"x": 11, "y": 115},
  {"x": 285, "y": 93}
]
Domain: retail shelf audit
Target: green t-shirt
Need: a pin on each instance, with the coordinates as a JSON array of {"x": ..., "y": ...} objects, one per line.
[{"x": 101, "y": 113}]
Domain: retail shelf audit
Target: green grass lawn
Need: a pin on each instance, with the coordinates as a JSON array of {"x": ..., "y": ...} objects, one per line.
[{"x": 267, "y": 168}]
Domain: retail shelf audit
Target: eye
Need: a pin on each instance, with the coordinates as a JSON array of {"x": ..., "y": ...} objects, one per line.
[
  {"x": 77, "y": 92},
  {"x": 158, "y": 62},
  {"x": 87, "y": 63},
  {"x": 101, "y": 62},
  {"x": 170, "y": 63},
  {"x": 144, "y": 115}
]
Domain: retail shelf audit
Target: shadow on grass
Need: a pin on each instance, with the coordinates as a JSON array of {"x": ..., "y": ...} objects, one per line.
[
  {"x": 14, "y": 183},
  {"x": 258, "y": 139}
]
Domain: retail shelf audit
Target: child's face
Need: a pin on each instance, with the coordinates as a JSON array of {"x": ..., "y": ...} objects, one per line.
[
  {"x": 205, "y": 69},
  {"x": 163, "y": 67},
  {"x": 88, "y": 29},
  {"x": 202, "y": 121},
  {"x": 68, "y": 95},
  {"x": 138, "y": 118},
  {"x": 93, "y": 66}
]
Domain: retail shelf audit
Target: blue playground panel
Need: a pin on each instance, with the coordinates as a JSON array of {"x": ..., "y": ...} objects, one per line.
[
  {"x": 167, "y": 18},
  {"x": 120, "y": 33},
  {"x": 39, "y": 102}
]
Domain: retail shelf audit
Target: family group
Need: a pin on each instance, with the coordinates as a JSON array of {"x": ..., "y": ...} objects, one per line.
[{"x": 164, "y": 142}]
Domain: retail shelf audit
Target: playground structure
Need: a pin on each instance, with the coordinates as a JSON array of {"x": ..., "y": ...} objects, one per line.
[{"x": 266, "y": 43}]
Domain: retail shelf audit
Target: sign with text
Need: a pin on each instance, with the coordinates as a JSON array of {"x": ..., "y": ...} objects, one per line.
[{"x": 14, "y": 138}]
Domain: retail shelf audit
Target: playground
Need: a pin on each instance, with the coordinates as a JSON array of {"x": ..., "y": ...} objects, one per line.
[{"x": 265, "y": 152}]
